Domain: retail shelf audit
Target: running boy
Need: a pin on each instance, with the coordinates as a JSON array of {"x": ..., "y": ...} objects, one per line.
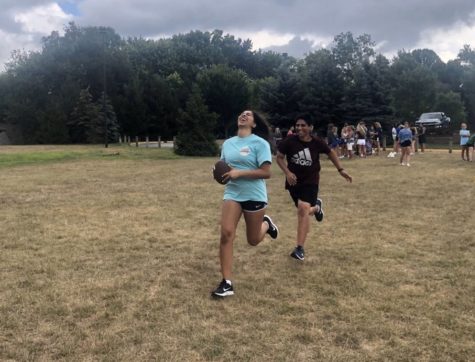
[{"x": 298, "y": 156}]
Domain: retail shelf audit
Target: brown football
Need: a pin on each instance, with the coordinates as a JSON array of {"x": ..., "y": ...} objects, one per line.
[{"x": 219, "y": 169}]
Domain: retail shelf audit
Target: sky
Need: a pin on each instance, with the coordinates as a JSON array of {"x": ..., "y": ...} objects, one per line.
[{"x": 296, "y": 27}]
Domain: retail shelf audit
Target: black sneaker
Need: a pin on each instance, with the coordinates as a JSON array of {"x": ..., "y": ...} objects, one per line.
[
  {"x": 223, "y": 290},
  {"x": 273, "y": 230},
  {"x": 319, "y": 213},
  {"x": 298, "y": 253}
]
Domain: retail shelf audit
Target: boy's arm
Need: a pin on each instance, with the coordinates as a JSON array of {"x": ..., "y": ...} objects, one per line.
[
  {"x": 334, "y": 159},
  {"x": 291, "y": 178}
]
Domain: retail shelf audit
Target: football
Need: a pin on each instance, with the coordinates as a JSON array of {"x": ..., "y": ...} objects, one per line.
[{"x": 219, "y": 169}]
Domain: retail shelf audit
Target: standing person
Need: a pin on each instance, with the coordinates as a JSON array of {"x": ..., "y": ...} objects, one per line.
[
  {"x": 277, "y": 135},
  {"x": 299, "y": 158},
  {"x": 422, "y": 137},
  {"x": 405, "y": 140},
  {"x": 395, "y": 142},
  {"x": 378, "y": 136},
  {"x": 361, "y": 131},
  {"x": 464, "y": 136},
  {"x": 332, "y": 140},
  {"x": 344, "y": 140},
  {"x": 250, "y": 158},
  {"x": 470, "y": 146},
  {"x": 350, "y": 140},
  {"x": 413, "y": 140},
  {"x": 290, "y": 132}
]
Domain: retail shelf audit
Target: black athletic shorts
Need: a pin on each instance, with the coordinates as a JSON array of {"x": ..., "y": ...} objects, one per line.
[
  {"x": 252, "y": 206},
  {"x": 307, "y": 193},
  {"x": 406, "y": 143}
]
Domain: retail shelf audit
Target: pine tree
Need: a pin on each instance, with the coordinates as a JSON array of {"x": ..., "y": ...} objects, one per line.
[
  {"x": 107, "y": 117},
  {"x": 83, "y": 117},
  {"x": 196, "y": 125}
]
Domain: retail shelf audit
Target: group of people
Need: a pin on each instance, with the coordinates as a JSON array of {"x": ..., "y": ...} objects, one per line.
[
  {"x": 250, "y": 157},
  {"x": 361, "y": 139},
  {"x": 364, "y": 140}
]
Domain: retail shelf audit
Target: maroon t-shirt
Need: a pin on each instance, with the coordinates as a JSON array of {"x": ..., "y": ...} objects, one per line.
[{"x": 303, "y": 158}]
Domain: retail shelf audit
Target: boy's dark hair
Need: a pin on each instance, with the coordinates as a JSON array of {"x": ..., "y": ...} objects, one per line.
[{"x": 306, "y": 117}]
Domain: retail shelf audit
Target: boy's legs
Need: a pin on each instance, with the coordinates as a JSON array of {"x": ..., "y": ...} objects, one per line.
[{"x": 303, "y": 222}]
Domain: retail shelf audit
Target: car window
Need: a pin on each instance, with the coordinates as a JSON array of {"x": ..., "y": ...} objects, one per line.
[{"x": 430, "y": 115}]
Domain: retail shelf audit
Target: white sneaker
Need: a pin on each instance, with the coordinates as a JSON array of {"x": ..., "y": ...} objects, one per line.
[{"x": 408, "y": 165}]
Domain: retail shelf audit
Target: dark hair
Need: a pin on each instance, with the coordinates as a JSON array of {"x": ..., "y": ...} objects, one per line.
[
  {"x": 262, "y": 128},
  {"x": 305, "y": 117}
]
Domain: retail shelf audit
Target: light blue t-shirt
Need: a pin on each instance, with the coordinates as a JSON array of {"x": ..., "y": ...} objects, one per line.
[
  {"x": 464, "y": 136},
  {"x": 246, "y": 153},
  {"x": 405, "y": 134}
]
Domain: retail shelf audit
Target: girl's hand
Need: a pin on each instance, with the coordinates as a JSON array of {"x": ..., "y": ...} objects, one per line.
[{"x": 231, "y": 175}]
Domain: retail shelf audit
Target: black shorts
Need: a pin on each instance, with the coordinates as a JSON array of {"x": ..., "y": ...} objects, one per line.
[
  {"x": 252, "y": 206},
  {"x": 406, "y": 143},
  {"x": 306, "y": 193}
]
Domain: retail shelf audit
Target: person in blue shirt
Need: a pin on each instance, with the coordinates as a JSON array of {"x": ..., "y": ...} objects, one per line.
[
  {"x": 405, "y": 141},
  {"x": 464, "y": 136},
  {"x": 250, "y": 158}
]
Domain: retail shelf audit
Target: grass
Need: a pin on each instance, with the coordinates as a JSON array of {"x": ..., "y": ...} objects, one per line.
[
  {"x": 113, "y": 258},
  {"x": 17, "y": 155}
]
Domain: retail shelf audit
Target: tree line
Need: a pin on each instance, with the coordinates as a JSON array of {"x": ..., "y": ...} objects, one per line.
[{"x": 90, "y": 85}]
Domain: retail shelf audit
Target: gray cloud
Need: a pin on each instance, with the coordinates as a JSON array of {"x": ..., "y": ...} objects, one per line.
[
  {"x": 296, "y": 47},
  {"x": 398, "y": 23},
  {"x": 394, "y": 23}
]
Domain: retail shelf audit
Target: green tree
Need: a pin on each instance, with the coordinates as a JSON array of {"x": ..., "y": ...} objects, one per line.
[
  {"x": 107, "y": 120},
  {"x": 466, "y": 61},
  {"x": 322, "y": 85},
  {"x": 414, "y": 86},
  {"x": 451, "y": 104},
  {"x": 195, "y": 136},
  {"x": 227, "y": 92},
  {"x": 280, "y": 96},
  {"x": 84, "y": 119},
  {"x": 349, "y": 52}
]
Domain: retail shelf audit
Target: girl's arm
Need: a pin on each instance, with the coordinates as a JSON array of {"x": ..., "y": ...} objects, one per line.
[{"x": 263, "y": 172}]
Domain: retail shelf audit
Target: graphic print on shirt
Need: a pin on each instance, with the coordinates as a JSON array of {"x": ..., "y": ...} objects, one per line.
[
  {"x": 244, "y": 151},
  {"x": 302, "y": 158}
]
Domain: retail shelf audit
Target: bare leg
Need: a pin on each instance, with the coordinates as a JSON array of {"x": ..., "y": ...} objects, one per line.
[
  {"x": 230, "y": 215},
  {"x": 303, "y": 220},
  {"x": 255, "y": 228}
]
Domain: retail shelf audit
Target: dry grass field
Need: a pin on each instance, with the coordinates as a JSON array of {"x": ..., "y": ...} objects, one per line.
[{"x": 111, "y": 254}]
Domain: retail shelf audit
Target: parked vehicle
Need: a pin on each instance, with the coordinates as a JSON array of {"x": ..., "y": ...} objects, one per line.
[{"x": 433, "y": 119}]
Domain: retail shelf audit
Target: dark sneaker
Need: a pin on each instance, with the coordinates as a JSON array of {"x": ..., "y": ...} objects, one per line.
[
  {"x": 319, "y": 213},
  {"x": 273, "y": 230},
  {"x": 298, "y": 253},
  {"x": 224, "y": 289}
]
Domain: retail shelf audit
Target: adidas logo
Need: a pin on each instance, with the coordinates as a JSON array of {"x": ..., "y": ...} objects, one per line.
[{"x": 302, "y": 158}]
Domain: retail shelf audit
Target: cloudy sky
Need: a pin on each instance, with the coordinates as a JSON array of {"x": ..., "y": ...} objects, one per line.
[{"x": 292, "y": 26}]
